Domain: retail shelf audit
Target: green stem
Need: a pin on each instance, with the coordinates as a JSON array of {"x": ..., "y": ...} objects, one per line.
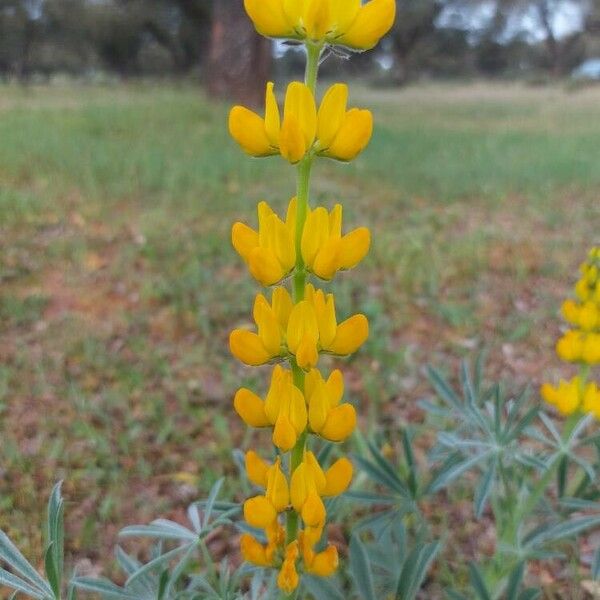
[{"x": 313, "y": 54}]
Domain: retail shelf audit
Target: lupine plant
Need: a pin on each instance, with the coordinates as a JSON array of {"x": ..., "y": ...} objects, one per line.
[{"x": 535, "y": 478}]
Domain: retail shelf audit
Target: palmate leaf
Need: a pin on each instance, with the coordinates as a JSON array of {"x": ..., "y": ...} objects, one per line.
[
  {"x": 56, "y": 538},
  {"x": 322, "y": 588},
  {"x": 452, "y": 470}
]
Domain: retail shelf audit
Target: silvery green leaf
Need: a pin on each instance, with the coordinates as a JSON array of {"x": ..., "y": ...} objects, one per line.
[
  {"x": 443, "y": 389},
  {"x": 484, "y": 489},
  {"x": 530, "y": 594},
  {"x": 161, "y": 529},
  {"x": 369, "y": 498},
  {"x": 514, "y": 582},
  {"x": 56, "y": 532},
  {"x": 563, "y": 530},
  {"x": 361, "y": 569},
  {"x": 51, "y": 571},
  {"x": 159, "y": 561},
  {"x": 12, "y": 581},
  {"x": 210, "y": 502},
  {"x": 322, "y": 588},
  {"x": 11, "y": 555},
  {"x": 415, "y": 570},
  {"x": 596, "y": 564},
  {"x": 477, "y": 583},
  {"x": 445, "y": 476},
  {"x": 107, "y": 589}
]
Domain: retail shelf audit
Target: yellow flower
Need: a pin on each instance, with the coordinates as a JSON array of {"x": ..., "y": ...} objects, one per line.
[
  {"x": 341, "y": 134},
  {"x": 334, "y": 132},
  {"x": 270, "y": 252},
  {"x": 261, "y": 511},
  {"x": 591, "y": 400},
  {"x": 309, "y": 483},
  {"x": 271, "y": 320},
  {"x": 570, "y": 346},
  {"x": 566, "y": 397},
  {"x": 263, "y": 555},
  {"x": 322, "y": 563},
  {"x": 288, "y": 578},
  {"x": 284, "y": 409},
  {"x": 304, "y": 330},
  {"x": 326, "y": 416},
  {"x": 335, "y": 22},
  {"x": 324, "y": 250}
]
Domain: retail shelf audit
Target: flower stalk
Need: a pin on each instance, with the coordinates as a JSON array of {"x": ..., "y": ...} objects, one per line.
[{"x": 296, "y": 329}]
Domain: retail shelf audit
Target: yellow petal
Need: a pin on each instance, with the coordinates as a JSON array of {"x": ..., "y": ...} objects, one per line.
[
  {"x": 277, "y": 487},
  {"x": 299, "y": 487},
  {"x": 353, "y": 136},
  {"x": 248, "y": 347},
  {"x": 277, "y": 390},
  {"x": 282, "y": 306},
  {"x": 268, "y": 18},
  {"x": 288, "y": 578},
  {"x": 324, "y": 563},
  {"x": 256, "y": 469},
  {"x": 318, "y": 407},
  {"x": 297, "y": 410},
  {"x": 302, "y": 326},
  {"x": 284, "y": 434},
  {"x": 314, "y": 234},
  {"x": 250, "y": 408},
  {"x": 315, "y": 472},
  {"x": 284, "y": 246},
  {"x": 291, "y": 141},
  {"x": 351, "y": 334},
  {"x": 272, "y": 119},
  {"x": 354, "y": 247},
  {"x": 317, "y": 19},
  {"x": 340, "y": 423},
  {"x": 244, "y": 239},
  {"x": 338, "y": 477},
  {"x": 300, "y": 105},
  {"x": 253, "y": 551},
  {"x": 373, "y": 21},
  {"x": 294, "y": 11},
  {"x": 343, "y": 14},
  {"x": 248, "y": 130},
  {"x": 259, "y": 512},
  {"x": 265, "y": 267},
  {"x": 326, "y": 262},
  {"x": 313, "y": 511},
  {"x": 326, "y": 321},
  {"x": 332, "y": 113},
  {"x": 335, "y": 388},
  {"x": 268, "y": 328},
  {"x": 307, "y": 355}
]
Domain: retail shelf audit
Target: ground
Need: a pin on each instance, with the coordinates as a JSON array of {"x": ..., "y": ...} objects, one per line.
[{"x": 119, "y": 285}]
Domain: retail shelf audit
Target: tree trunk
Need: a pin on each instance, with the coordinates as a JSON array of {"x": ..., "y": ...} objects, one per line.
[{"x": 239, "y": 60}]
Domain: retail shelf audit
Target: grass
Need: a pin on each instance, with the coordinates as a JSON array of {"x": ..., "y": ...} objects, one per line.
[{"x": 119, "y": 286}]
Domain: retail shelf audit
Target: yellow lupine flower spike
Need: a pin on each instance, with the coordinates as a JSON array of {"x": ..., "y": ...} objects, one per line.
[
  {"x": 333, "y": 132},
  {"x": 580, "y": 345},
  {"x": 270, "y": 252},
  {"x": 335, "y": 22}
]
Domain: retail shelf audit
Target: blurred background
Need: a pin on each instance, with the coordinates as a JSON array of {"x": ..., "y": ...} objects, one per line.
[
  {"x": 119, "y": 185},
  {"x": 209, "y": 40}
]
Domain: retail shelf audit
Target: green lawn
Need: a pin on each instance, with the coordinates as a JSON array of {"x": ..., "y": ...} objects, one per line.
[{"x": 119, "y": 285}]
